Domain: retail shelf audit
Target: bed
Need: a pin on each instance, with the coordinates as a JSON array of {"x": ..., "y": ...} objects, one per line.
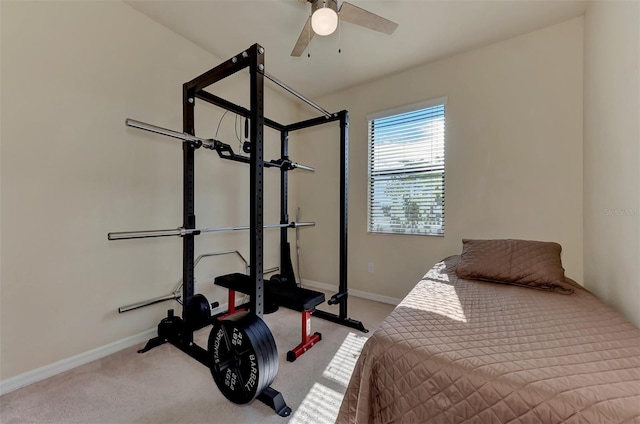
[{"x": 461, "y": 350}]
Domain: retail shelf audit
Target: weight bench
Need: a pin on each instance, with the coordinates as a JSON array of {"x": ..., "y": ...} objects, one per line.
[
  {"x": 290, "y": 297},
  {"x": 235, "y": 283}
]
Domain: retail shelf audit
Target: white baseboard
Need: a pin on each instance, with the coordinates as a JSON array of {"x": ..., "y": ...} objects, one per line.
[
  {"x": 33, "y": 376},
  {"x": 357, "y": 293},
  {"x": 39, "y": 374}
]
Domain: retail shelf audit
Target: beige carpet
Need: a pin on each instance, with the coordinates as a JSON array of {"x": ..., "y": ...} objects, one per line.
[{"x": 166, "y": 386}]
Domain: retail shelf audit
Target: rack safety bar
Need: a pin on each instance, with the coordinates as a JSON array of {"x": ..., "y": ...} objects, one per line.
[{"x": 126, "y": 235}]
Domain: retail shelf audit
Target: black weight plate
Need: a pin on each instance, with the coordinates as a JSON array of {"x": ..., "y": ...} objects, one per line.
[
  {"x": 242, "y": 377},
  {"x": 242, "y": 349},
  {"x": 198, "y": 312},
  {"x": 258, "y": 334},
  {"x": 271, "y": 352},
  {"x": 228, "y": 346},
  {"x": 253, "y": 334},
  {"x": 268, "y": 354},
  {"x": 264, "y": 348},
  {"x": 262, "y": 334}
]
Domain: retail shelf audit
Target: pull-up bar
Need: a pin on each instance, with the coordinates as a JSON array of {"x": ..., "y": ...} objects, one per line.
[
  {"x": 298, "y": 95},
  {"x": 127, "y": 235}
]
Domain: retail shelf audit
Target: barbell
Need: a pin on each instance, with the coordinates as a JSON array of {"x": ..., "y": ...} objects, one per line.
[{"x": 181, "y": 231}]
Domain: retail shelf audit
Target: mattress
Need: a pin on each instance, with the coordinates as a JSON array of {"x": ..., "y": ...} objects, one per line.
[{"x": 463, "y": 351}]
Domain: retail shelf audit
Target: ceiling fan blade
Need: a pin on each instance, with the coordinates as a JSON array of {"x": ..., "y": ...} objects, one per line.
[
  {"x": 303, "y": 40},
  {"x": 355, "y": 15}
]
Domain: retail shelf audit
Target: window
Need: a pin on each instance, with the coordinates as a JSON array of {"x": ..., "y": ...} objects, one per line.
[{"x": 406, "y": 170}]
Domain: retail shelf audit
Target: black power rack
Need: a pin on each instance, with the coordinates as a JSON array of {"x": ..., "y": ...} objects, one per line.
[{"x": 179, "y": 331}]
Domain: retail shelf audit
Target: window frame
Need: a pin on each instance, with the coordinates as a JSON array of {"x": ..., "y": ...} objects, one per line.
[{"x": 440, "y": 101}]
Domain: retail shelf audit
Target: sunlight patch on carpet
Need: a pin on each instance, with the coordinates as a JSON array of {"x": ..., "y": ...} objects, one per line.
[
  {"x": 344, "y": 361},
  {"x": 320, "y": 406}
]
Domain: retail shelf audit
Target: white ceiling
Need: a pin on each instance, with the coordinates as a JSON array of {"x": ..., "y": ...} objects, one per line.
[{"x": 428, "y": 30}]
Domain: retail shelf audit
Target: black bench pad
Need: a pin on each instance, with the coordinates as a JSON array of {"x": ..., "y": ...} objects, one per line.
[
  {"x": 291, "y": 297},
  {"x": 294, "y": 297},
  {"x": 237, "y": 282}
]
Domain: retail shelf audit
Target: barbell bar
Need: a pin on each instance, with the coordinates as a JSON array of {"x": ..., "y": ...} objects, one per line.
[
  {"x": 207, "y": 143},
  {"x": 149, "y": 302},
  {"x": 127, "y": 235},
  {"x": 173, "y": 296},
  {"x": 176, "y": 294},
  {"x": 169, "y": 133},
  {"x": 305, "y": 167}
]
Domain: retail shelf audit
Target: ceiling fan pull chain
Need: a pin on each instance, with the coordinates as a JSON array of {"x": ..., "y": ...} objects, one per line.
[
  {"x": 309, "y": 36},
  {"x": 339, "y": 35}
]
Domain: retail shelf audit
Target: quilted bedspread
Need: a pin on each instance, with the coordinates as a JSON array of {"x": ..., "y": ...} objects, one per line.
[{"x": 462, "y": 351}]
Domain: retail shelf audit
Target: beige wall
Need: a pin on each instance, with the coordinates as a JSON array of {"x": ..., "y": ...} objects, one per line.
[
  {"x": 513, "y": 159},
  {"x": 71, "y": 172},
  {"x": 612, "y": 154}
]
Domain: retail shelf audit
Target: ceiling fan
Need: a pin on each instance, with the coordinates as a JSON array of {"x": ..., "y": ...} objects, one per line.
[{"x": 324, "y": 21}]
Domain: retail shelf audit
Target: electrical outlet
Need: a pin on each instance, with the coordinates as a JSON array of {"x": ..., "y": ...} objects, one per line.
[{"x": 370, "y": 267}]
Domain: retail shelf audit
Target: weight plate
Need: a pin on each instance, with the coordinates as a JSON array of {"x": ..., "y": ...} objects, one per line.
[
  {"x": 267, "y": 347},
  {"x": 243, "y": 355},
  {"x": 269, "y": 353},
  {"x": 262, "y": 354},
  {"x": 198, "y": 312}
]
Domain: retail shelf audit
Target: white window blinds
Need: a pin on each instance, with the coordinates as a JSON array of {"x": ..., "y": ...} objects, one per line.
[{"x": 406, "y": 170}]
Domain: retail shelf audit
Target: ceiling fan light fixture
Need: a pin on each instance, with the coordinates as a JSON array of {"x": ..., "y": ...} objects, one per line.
[{"x": 324, "y": 16}]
